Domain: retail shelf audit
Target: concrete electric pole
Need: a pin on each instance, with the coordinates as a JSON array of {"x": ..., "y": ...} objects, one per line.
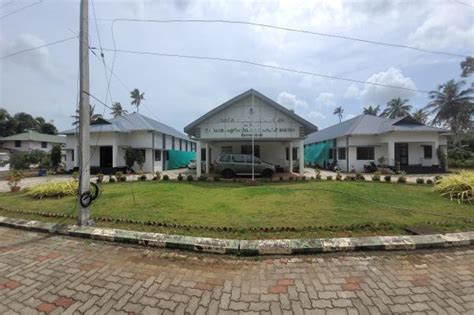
[{"x": 83, "y": 217}]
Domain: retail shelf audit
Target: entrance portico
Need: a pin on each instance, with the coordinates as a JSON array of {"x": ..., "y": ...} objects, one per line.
[{"x": 277, "y": 134}]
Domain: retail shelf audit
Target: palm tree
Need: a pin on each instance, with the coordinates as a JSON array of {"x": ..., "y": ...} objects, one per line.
[
  {"x": 397, "y": 108},
  {"x": 117, "y": 110},
  {"x": 93, "y": 116},
  {"x": 137, "y": 97},
  {"x": 420, "y": 115},
  {"x": 338, "y": 111},
  {"x": 452, "y": 106},
  {"x": 372, "y": 110}
]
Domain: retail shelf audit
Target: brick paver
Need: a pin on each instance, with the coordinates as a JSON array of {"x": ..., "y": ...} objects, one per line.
[{"x": 61, "y": 275}]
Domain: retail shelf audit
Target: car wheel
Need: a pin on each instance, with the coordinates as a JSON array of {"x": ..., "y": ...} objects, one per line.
[
  {"x": 267, "y": 173},
  {"x": 227, "y": 173}
]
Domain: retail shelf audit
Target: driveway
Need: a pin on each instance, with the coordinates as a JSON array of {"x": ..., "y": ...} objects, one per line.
[{"x": 61, "y": 275}]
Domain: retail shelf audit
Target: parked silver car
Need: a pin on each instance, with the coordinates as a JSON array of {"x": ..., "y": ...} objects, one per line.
[{"x": 231, "y": 164}]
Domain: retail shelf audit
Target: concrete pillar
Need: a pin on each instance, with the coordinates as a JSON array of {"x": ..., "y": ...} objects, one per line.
[
  {"x": 301, "y": 157},
  {"x": 198, "y": 158},
  {"x": 115, "y": 152},
  {"x": 207, "y": 157},
  {"x": 291, "y": 157},
  {"x": 391, "y": 152},
  {"x": 76, "y": 156}
]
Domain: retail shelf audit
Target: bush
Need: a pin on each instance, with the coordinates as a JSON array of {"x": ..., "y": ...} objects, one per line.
[
  {"x": 359, "y": 176},
  {"x": 376, "y": 176},
  {"x": 429, "y": 181},
  {"x": 142, "y": 177},
  {"x": 202, "y": 178},
  {"x": 54, "y": 189},
  {"x": 190, "y": 178},
  {"x": 338, "y": 175},
  {"x": 387, "y": 178},
  {"x": 420, "y": 180},
  {"x": 119, "y": 176},
  {"x": 100, "y": 178},
  {"x": 157, "y": 175},
  {"x": 180, "y": 177},
  {"x": 166, "y": 177},
  {"x": 402, "y": 178},
  {"x": 281, "y": 178},
  {"x": 111, "y": 179},
  {"x": 437, "y": 178},
  {"x": 329, "y": 177},
  {"x": 458, "y": 187},
  {"x": 55, "y": 156},
  {"x": 14, "y": 178}
]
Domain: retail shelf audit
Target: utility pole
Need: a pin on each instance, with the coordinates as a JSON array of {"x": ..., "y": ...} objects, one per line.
[
  {"x": 84, "y": 214},
  {"x": 253, "y": 139}
]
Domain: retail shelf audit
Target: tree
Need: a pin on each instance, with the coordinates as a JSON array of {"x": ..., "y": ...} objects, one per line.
[
  {"x": 7, "y": 123},
  {"x": 55, "y": 156},
  {"x": 372, "y": 110},
  {"x": 338, "y": 111},
  {"x": 421, "y": 115},
  {"x": 452, "y": 106},
  {"x": 137, "y": 97},
  {"x": 117, "y": 110},
  {"x": 396, "y": 108},
  {"x": 131, "y": 156},
  {"x": 48, "y": 128},
  {"x": 93, "y": 116},
  {"x": 467, "y": 67},
  {"x": 24, "y": 122}
]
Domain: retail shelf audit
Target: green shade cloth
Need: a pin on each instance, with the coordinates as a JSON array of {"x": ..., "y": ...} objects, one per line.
[
  {"x": 179, "y": 159},
  {"x": 316, "y": 154}
]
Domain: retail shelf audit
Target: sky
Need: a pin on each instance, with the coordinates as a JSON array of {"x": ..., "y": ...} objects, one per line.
[{"x": 44, "y": 82}]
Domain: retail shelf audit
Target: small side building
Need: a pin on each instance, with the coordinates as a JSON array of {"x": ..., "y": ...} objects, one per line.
[
  {"x": 401, "y": 143},
  {"x": 162, "y": 146},
  {"x": 277, "y": 131}
]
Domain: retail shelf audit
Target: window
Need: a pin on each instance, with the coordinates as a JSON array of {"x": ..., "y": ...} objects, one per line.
[
  {"x": 248, "y": 159},
  {"x": 186, "y": 145},
  {"x": 226, "y": 149},
  {"x": 247, "y": 149},
  {"x": 157, "y": 155},
  {"x": 225, "y": 158},
  {"x": 44, "y": 144},
  {"x": 365, "y": 153},
  {"x": 295, "y": 154},
  {"x": 341, "y": 153},
  {"x": 172, "y": 143},
  {"x": 72, "y": 155},
  {"x": 428, "y": 151},
  {"x": 17, "y": 144},
  {"x": 180, "y": 144},
  {"x": 238, "y": 158}
]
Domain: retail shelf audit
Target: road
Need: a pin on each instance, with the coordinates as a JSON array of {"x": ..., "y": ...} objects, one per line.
[{"x": 62, "y": 275}]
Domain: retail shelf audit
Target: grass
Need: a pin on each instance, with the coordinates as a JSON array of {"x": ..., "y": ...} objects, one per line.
[{"x": 241, "y": 207}]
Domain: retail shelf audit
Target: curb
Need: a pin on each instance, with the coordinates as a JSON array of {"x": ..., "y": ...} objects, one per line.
[{"x": 248, "y": 247}]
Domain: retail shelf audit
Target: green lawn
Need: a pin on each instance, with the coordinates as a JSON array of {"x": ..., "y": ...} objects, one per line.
[{"x": 243, "y": 207}]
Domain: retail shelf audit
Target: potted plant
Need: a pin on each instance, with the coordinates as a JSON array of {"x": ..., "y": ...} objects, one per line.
[{"x": 14, "y": 179}]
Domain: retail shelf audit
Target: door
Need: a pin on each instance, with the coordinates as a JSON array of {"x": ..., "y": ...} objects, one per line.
[
  {"x": 401, "y": 153},
  {"x": 105, "y": 156}
]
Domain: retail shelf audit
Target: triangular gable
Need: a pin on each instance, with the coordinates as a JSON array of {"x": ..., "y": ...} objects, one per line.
[
  {"x": 100, "y": 121},
  {"x": 407, "y": 120}
]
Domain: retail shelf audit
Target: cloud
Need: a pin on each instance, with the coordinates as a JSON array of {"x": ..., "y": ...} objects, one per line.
[
  {"x": 291, "y": 101},
  {"x": 373, "y": 94},
  {"x": 349, "y": 116},
  {"x": 316, "y": 114},
  {"x": 38, "y": 60},
  {"x": 352, "y": 92},
  {"x": 326, "y": 99}
]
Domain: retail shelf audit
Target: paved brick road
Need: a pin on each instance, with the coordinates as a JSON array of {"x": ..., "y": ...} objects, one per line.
[{"x": 53, "y": 274}]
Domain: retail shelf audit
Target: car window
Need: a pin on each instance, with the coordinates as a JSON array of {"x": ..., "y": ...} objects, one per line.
[
  {"x": 238, "y": 158},
  {"x": 248, "y": 159},
  {"x": 225, "y": 158}
]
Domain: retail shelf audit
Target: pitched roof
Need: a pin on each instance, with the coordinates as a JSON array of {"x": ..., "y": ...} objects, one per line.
[
  {"x": 35, "y": 136},
  {"x": 129, "y": 123},
  {"x": 369, "y": 125},
  {"x": 308, "y": 127}
]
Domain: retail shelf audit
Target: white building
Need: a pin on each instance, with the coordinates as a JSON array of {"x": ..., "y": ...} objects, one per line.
[
  {"x": 29, "y": 141},
  {"x": 228, "y": 128},
  {"x": 110, "y": 137},
  {"x": 354, "y": 143}
]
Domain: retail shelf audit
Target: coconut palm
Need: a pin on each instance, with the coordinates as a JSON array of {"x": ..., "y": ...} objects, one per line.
[
  {"x": 421, "y": 115},
  {"x": 93, "y": 116},
  {"x": 372, "y": 110},
  {"x": 396, "y": 108},
  {"x": 117, "y": 110},
  {"x": 137, "y": 97},
  {"x": 338, "y": 111},
  {"x": 452, "y": 106}
]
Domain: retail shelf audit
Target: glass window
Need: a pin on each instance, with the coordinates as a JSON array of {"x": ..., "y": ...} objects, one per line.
[
  {"x": 247, "y": 149},
  {"x": 248, "y": 159},
  {"x": 157, "y": 155},
  {"x": 295, "y": 154},
  {"x": 238, "y": 158},
  {"x": 72, "y": 155},
  {"x": 226, "y": 149},
  {"x": 341, "y": 153},
  {"x": 428, "y": 151},
  {"x": 224, "y": 158},
  {"x": 365, "y": 153},
  {"x": 44, "y": 144},
  {"x": 17, "y": 144}
]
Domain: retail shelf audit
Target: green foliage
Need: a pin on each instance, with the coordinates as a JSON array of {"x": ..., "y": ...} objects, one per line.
[
  {"x": 397, "y": 108},
  {"x": 129, "y": 157},
  {"x": 190, "y": 178},
  {"x": 166, "y": 177},
  {"x": 467, "y": 67},
  {"x": 338, "y": 175},
  {"x": 180, "y": 177},
  {"x": 54, "y": 190},
  {"x": 19, "y": 162},
  {"x": 100, "y": 178},
  {"x": 359, "y": 176},
  {"x": 23, "y": 122},
  {"x": 55, "y": 156},
  {"x": 429, "y": 181},
  {"x": 202, "y": 178},
  {"x": 387, "y": 178},
  {"x": 441, "y": 157},
  {"x": 458, "y": 187},
  {"x": 142, "y": 177},
  {"x": 376, "y": 176},
  {"x": 402, "y": 178},
  {"x": 420, "y": 180},
  {"x": 329, "y": 177},
  {"x": 157, "y": 175},
  {"x": 112, "y": 179},
  {"x": 14, "y": 178}
]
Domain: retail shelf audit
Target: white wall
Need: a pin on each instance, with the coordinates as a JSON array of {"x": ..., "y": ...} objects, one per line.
[{"x": 27, "y": 146}]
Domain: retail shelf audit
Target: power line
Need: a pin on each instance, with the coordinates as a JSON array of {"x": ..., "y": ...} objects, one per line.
[
  {"x": 464, "y": 3},
  {"x": 241, "y": 61},
  {"x": 37, "y": 47},
  {"x": 367, "y": 41},
  {"x": 21, "y": 9}
]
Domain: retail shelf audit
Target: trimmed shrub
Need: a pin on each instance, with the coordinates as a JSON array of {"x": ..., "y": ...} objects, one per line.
[
  {"x": 420, "y": 180},
  {"x": 376, "y": 176},
  {"x": 387, "y": 178},
  {"x": 180, "y": 177},
  {"x": 190, "y": 178},
  {"x": 54, "y": 189},
  {"x": 338, "y": 175},
  {"x": 157, "y": 175},
  {"x": 429, "y": 181},
  {"x": 329, "y": 177},
  {"x": 142, "y": 177},
  {"x": 112, "y": 179},
  {"x": 458, "y": 187},
  {"x": 166, "y": 177},
  {"x": 100, "y": 178},
  {"x": 402, "y": 178}
]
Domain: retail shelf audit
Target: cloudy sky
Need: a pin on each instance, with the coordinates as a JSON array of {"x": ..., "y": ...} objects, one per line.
[{"x": 45, "y": 81}]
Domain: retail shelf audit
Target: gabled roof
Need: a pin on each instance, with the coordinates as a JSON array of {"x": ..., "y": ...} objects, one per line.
[
  {"x": 129, "y": 123},
  {"x": 369, "y": 125},
  {"x": 35, "y": 136},
  {"x": 308, "y": 127}
]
